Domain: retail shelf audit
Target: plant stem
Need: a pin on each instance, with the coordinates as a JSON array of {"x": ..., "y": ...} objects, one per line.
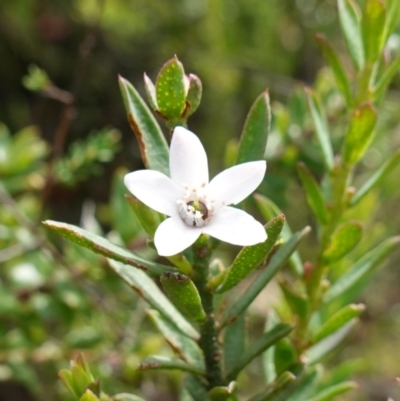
[{"x": 208, "y": 333}]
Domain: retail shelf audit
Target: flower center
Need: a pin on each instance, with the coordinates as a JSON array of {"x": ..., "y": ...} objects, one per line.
[{"x": 194, "y": 213}]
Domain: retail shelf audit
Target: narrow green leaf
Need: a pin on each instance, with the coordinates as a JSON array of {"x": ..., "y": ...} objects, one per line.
[
  {"x": 338, "y": 320},
  {"x": 193, "y": 97},
  {"x": 88, "y": 396},
  {"x": 269, "y": 210},
  {"x": 318, "y": 351},
  {"x": 297, "y": 302},
  {"x": 313, "y": 194},
  {"x": 148, "y": 218},
  {"x": 349, "y": 17},
  {"x": 124, "y": 221},
  {"x": 163, "y": 362},
  {"x": 277, "y": 261},
  {"x": 268, "y": 355},
  {"x": 344, "y": 239},
  {"x": 387, "y": 77},
  {"x": 373, "y": 28},
  {"x": 104, "y": 247},
  {"x": 332, "y": 58},
  {"x": 234, "y": 342},
  {"x": 392, "y": 17},
  {"x": 284, "y": 380},
  {"x": 184, "y": 295},
  {"x": 152, "y": 144},
  {"x": 362, "y": 268},
  {"x": 150, "y": 92},
  {"x": 171, "y": 89},
  {"x": 126, "y": 397},
  {"x": 80, "y": 378},
  {"x": 305, "y": 384},
  {"x": 148, "y": 290},
  {"x": 321, "y": 127},
  {"x": 360, "y": 133},
  {"x": 333, "y": 391},
  {"x": 376, "y": 178},
  {"x": 255, "y": 132},
  {"x": 185, "y": 347},
  {"x": 251, "y": 257},
  {"x": 196, "y": 388},
  {"x": 266, "y": 340},
  {"x": 66, "y": 377},
  {"x": 285, "y": 355}
]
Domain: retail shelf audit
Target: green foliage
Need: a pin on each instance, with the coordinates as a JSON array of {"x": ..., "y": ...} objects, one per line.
[
  {"x": 84, "y": 158},
  {"x": 184, "y": 295},
  {"x": 252, "y": 257},
  {"x": 255, "y": 132},
  {"x": 36, "y": 80},
  {"x": 152, "y": 144},
  {"x": 61, "y": 295}
]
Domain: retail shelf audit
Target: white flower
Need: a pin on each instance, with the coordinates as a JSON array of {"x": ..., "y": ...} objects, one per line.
[{"x": 196, "y": 206}]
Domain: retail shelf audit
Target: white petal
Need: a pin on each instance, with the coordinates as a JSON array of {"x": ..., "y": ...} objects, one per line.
[
  {"x": 173, "y": 236},
  {"x": 236, "y": 227},
  {"x": 236, "y": 183},
  {"x": 155, "y": 189},
  {"x": 187, "y": 159}
]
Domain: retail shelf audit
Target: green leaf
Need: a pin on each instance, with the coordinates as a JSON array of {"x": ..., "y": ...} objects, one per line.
[
  {"x": 338, "y": 320},
  {"x": 193, "y": 97},
  {"x": 265, "y": 341},
  {"x": 255, "y": 132},
  {"x": 126, "y": 397},
  {"x": 124, "y": 220},
  {"x": 297, "y": 302},
  {"x": 392, "y": 17},
  {"x": 171, "y": 89},
  {"x": 66, "y": 377},
  {"x": 103, "y": 247},
  {"x": 163, "y": 362},
  {"x": 361, "y": 269},
  {"x": 277, "y": 261},
  {"x": 313, "y": 194},
  {"x": 349, "y": 17},
  {"x": 150, "y": 92},
  {"x": 251, "y": 257},
  {"x": 268, "y": 356},
  {"x": 285, "y": 355},
  {"x": 360, "y": 133},
  {"x": 222, "y": 393},
  {"x": 306, "y": 384},
  {"x": 321, "y": 127},
  {"x": 373, "y": 28},
  {"x": 269, "y": 210},
  {"x": 339, "y": 73},
  {"x": 283, "y": 381},
  {"x": 376, "y": 178},
  {"x": 318, "y": 351},
  {"x": 186, "y": 348},
  {"x": 344, "y": 239},
  {"x": 333, "y": 391},
  {"x": 88, "y": 396},
  {"x": 387, "y": 77},
  {"x": 195, "y": 387},
  {"x": 184, "y": 295},
  {"x": 148, "y": 218},
  {"x": 152, "y": 144},
  {"x": 234, "y": 341},
  {"x": 148, "y": 290}
]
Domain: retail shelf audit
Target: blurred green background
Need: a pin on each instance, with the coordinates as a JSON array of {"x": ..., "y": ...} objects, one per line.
[{"x": 238, "y": 48}]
